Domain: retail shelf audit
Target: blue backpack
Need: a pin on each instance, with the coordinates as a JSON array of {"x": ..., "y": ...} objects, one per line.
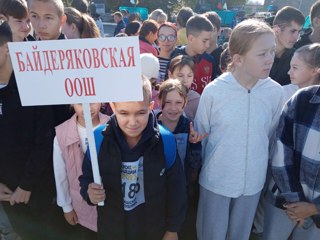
[{"x": 169, "y": 143}]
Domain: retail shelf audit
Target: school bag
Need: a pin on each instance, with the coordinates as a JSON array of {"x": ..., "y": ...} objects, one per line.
[{"x": 169, "y": 143}]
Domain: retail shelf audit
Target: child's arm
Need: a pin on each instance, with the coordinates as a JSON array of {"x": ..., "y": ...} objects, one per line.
[
  {"x": 194, "y": 136},
  {"x": 301, "y": 210},
  {"x": 62, "y": 184},
  {"x": 285, "y": 163},
  {"x": 91, "y": 192},
  {"x": 176, "y": 197},
  {"x": 96, "y": 193},
  {"x": 39, "y": 159}
]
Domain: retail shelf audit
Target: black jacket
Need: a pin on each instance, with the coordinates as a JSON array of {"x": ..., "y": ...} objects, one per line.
[
  {"x": 26, "y": 138},
  {"x": 165, "y": 191},
  {"x": 281, "y": 66}
]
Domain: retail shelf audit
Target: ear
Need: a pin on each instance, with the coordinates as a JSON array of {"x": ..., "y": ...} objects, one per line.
[
  {"x": 63, "y": 19},
  {"x": 74, "y": 27},
  {"x": 3, "y": 17},
  {"x": 237, "y": 59},
  {"x": 151, "y": 105},
  {"x": 6, "y": 49},
  {"x": 316, "y": 22},
  {"x": 219, "y": 32},
  {"x": 169, "y": 74},
  {"x": 276, "y": 29},
  {"x": 190, "y": 38},
  {"x": 112, "y": 106}
]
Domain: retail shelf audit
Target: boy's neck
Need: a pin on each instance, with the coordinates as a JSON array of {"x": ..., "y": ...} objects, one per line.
[
  {"x": 280, "y": 49},
  {"x": 190, "y": 52},
  {"x": 132, "y": 142}
]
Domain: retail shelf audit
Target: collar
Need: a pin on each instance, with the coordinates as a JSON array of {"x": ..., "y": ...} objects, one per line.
[{"x": 316, "y": 97}]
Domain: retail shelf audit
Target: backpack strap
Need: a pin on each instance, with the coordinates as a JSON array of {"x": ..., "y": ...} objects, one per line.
[
  {"x": 169, "y": 144},
  {"x": 98, "y": 137}
]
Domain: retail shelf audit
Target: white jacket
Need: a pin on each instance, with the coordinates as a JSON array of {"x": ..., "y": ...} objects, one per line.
[{"x": 240, "y": 123}]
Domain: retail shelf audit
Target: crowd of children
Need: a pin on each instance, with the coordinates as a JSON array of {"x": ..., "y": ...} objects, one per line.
[{"x": 224, "y": 144}]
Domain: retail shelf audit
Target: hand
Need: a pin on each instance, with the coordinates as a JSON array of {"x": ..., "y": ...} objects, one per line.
[
  {"x": 301, "y": 210},
  {"x": 71, "y": 217},
  {"x": 96, "y": 193},
  {"x": 170, "y": 236},
  {"x": 5, "y": 192},
  {"x": 20, "y": 196},
  {"x": 194, "y": 136}
]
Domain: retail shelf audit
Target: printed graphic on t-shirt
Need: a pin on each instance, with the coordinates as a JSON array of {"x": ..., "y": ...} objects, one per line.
[
  {"x": 132, "y": 184},
  {"x": 182, "y": 140}
]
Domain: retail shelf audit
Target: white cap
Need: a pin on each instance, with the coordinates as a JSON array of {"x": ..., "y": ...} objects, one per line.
[{"x": 149, "y": 65}]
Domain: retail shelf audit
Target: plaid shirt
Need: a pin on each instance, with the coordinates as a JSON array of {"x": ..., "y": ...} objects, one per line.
[{"x": 296, "y": 160}]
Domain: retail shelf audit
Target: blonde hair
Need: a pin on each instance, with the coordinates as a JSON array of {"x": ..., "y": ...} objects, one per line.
[
  {"x": 169, "y": 86},
  {"x": 244, "y": 34}
]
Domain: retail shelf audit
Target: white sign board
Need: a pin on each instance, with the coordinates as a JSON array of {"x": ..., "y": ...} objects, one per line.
[{"x": 77, "y": 70}]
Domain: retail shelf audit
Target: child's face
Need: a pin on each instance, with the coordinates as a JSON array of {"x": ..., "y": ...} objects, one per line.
[
  {"x": 20, "y": 28},
  {"x": 94, "y": 110},
  {"x": 116, "y": 18},
  {"x": 45, "y": 20},
  {"x": 199, "y": 44},
  {"x": 132, "y": 118},
  {"x": 166, "y": 45},
  {"x": 173, "y": 106},
  {"x": 300, "y": 73},
  {"x": 70, "y": 30},
  {"x": 257, "y": 62},
  {"x": 287, "y": 36},
  {"x": 185, "y": 75}
]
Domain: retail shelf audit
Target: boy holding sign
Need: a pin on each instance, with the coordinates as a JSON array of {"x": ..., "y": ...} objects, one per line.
[{"x": 144, "y": 198}]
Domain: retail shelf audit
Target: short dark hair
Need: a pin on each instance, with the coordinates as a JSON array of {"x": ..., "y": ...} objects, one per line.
[
  {"x": 183, "y": 16},
  {"x": 315, "y": 10},
  {"x": 14, "y": 8},
  {"x": 197, "y": 24},
  {"x": 180, "y": 61},
  {"x": 289, "y": 14},
  {"x": 5, "y": 33},
  {"x": 80, "y": 5},
  {"x": 132, "y": 28},
  {"x": 214, "y": 18}
]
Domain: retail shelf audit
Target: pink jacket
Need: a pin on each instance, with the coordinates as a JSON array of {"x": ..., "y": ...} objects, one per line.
[
  {"x": 147, "y": 48},
  {"x": 69, "y": 142}
]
